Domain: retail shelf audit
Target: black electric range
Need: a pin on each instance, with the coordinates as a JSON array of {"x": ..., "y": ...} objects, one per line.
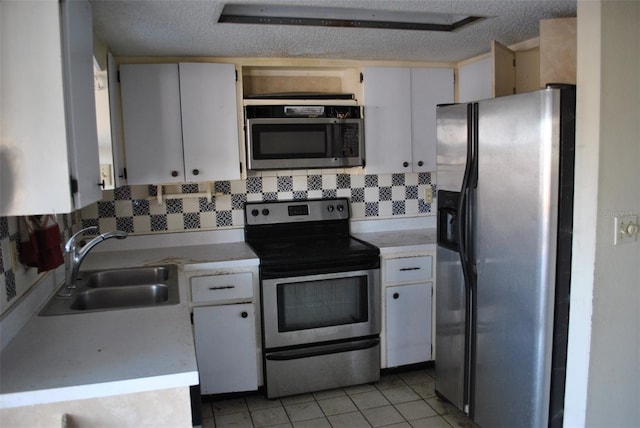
[{"x": 295, "y": 238}]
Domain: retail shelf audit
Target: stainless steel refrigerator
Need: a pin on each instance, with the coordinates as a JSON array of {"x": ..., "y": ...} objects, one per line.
[{"x": 505, "y": 209}]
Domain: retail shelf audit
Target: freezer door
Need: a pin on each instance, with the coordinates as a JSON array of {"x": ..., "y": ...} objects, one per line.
[
  {"x": 451, "y": 149},
  {"x": 452, "y": 136},
  {"x": 450, "y": 327},
  {"x": 515, "y": 247}
]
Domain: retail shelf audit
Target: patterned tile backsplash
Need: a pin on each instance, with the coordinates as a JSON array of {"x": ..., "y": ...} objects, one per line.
[
  {"x": 136, "y": 209},
  {"x": 15, "y": 278}
]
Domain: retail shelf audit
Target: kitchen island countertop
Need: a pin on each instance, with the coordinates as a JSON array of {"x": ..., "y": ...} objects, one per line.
[{"x": 97, "y": 354}]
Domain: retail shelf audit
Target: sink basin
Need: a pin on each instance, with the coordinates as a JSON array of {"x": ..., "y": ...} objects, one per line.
[
  {"x": 112, "y": 289},
  {"x": 121, "y": 297},
  {"x": 126, "y": 277}
]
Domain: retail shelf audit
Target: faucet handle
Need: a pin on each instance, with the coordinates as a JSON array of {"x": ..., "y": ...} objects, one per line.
[{"x": 72, "y": 241}]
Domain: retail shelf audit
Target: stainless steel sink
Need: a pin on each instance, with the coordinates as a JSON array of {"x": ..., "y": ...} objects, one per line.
[
  {"x": 118, "y": 289},
  {"x": 134, "y": 295},
  {"x": 126, "y": 277}
]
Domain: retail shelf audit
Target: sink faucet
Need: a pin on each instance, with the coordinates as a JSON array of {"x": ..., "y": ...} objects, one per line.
[{"x": 76, "y": 255}]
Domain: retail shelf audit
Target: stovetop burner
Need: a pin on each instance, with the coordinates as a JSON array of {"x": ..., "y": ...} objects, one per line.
[{"x": 305, "y": 237}]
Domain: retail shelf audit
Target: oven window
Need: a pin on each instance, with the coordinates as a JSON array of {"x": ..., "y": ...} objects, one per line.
[
  {"x": 323, "y": 303},
  {"x": 289, "y": 141}
]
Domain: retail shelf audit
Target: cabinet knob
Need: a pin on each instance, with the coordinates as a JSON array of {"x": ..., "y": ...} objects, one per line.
[
  {"x": 396, "y": 295},
  {"x": 174, "y": 173},
  {"x": 420, "y": 163},
  {"x": 244, "y": 314},
  {"x": 405, "y": 164},
  {"x": 196, "y": 171}
]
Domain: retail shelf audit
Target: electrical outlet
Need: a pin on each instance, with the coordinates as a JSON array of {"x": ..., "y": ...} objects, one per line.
[
  {"x": 105, "y": 174},
  {"x": 428, "y": 195},
  {"x": 626, "y": 229},
  {"x": 13, "y": 255}
]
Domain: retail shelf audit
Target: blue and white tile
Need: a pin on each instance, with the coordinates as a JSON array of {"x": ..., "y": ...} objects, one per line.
[
  {"x": 269, "y": 184},
  {"x": 237, "y": 218},
  {"x": 300, "y": 183},
  {"x": 175, "y": 222},
  {"x": 123, "y": 208},
  {"x": 142, "y": 224},
  {"x": 208, "y": 220},
  {"x": 106, "y": 224},
  {"x": 191, "y": 205},
  {"x": 385, "y": 209}
]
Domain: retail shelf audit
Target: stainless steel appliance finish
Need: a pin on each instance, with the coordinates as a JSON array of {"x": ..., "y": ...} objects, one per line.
[
  {"x": 323, "y": 367},
  {"x": 294, "y": 137},
  {"x": 324, "y": 307},
  {"x": 320, "y": 295},
  {"x": 505, "y": 171}
]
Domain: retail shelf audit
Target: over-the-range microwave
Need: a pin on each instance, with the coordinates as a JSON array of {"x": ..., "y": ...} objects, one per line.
[{"x": 304, "y": 136}]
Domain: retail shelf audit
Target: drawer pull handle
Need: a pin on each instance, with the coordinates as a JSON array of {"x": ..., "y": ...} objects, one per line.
[
  {"x": 396, "y": 295},
  {"x": 222, "y": 287},
  {"x": 244, "y": 315},
  {"x": 410, "y": 268}
]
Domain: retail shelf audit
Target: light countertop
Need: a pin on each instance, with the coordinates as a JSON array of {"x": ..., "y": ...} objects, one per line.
[
  {"x": 70, "y": 357},
  {"x": 409, "y": 240},
  {"x": 61, "y": 358}
]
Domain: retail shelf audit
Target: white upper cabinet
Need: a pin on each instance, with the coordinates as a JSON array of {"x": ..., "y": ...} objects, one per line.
[
  {"x": 475, "y": 80},
  {"x": 387, "y": 124},
  {"x": 400, "y": 117},
  {"x": 49, "y": 146},
  {"x": 180, "y": 122},
  {"x": 151, "y": 121},
  {"x": 209, "y": 121},
  {"x": 429, "y": 87}
]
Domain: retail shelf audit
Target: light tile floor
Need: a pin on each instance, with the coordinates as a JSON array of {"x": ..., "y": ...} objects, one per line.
[{"x": 403, "y": 399}]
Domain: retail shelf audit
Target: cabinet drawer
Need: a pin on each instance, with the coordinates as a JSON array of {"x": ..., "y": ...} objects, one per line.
[
  {"x": 407, "y": 269},
  {"x": 212, "y": 288}
]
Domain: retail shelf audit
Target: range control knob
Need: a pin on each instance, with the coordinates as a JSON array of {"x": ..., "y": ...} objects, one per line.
[
  {"x": 265, "y": 211},
  {"x": 255, "y": 212},
  {"x": 340, "y": 207},
  {"x": 330, "y": 208}
]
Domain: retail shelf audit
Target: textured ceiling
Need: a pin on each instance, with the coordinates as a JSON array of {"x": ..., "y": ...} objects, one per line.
[{"x": 190, "y": 28}]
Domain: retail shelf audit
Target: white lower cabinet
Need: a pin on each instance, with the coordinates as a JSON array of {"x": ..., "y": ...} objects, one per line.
[
  {"x": 408, "y": 324},
  {"x": 407, "y": 311},
  {"x": 226, "y": 348},
  {"x": 225, "y": 330}
]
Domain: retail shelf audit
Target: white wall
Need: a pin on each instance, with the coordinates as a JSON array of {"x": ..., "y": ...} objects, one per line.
[{"x": 603, "y": 368}]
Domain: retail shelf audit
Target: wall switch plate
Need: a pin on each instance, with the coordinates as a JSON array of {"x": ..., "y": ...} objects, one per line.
[
  {"x": 626, "y": 229},
  {"x": 428, "y": 195}
]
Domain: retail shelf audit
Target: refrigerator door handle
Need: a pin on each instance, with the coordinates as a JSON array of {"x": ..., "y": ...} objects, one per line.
[
  {"x": 462, "y": 202},
  {"x": 464, "y": 240}
]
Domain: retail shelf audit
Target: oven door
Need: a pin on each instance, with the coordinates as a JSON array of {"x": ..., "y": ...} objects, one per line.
[{"x": 320, "y": 308}]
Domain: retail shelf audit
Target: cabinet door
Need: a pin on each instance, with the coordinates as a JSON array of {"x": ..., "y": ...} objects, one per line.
[
  {"x": 429, "y": 87},
  {"x": 475, "y": 80},
  {"x": 387, "y": 124},
  {"x": 115, "y": 103},
  {"x": 408, "y": 324},
  {"x": 77, "y": 31},
  {"x": 504, "y": 70},
  {"x": 226, "y": 348},
  {"x": 152, "y": 123},
  {"x": 48, "y": 130},
  {"x": 209, "y": 121}
]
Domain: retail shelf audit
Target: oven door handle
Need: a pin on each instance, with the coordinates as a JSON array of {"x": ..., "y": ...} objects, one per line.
[{"x": 317, "y": 351}]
